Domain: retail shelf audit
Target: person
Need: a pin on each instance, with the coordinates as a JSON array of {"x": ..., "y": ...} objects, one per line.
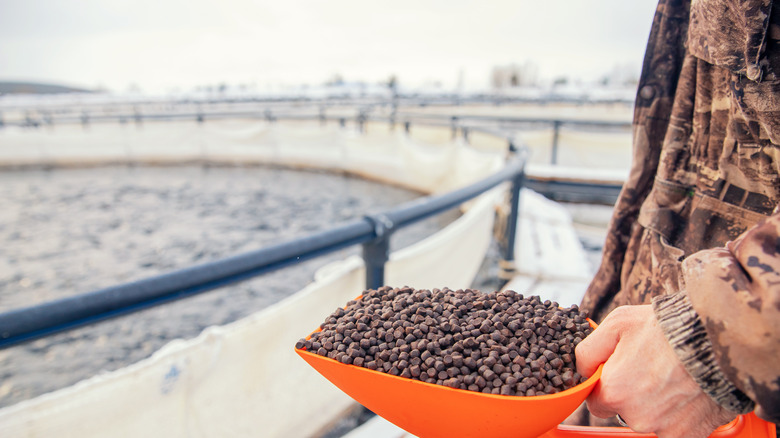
[{"x": 688, "y": 291}]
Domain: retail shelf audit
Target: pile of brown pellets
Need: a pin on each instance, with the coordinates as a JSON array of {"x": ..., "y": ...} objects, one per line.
[{"x": 496, "y": 343}]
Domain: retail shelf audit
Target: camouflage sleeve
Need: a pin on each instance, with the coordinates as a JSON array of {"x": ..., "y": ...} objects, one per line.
[{"x": 726, "y": 326}]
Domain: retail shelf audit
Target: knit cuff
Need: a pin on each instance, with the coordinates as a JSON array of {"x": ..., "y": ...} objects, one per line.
[{"x": 685, "y": 332}]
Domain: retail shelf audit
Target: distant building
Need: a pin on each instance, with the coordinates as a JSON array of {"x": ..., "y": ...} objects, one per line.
[{"x": 514, "y": 75}]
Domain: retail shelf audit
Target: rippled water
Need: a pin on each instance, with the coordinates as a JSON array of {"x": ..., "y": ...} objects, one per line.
[{"x": 70, "y": 231}]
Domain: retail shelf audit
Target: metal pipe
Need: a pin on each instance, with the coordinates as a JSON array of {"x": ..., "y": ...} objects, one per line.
[
  {"x": 30, "y": 323},
  {"x": 435, "y": 119}
]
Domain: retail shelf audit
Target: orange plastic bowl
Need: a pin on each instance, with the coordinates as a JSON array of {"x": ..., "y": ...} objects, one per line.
[{"x": 428, "y": 410}]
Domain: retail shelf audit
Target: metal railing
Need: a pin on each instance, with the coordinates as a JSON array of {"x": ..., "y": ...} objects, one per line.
[
  {"x": 95, "y": 102},
  {"x": 200, "y": 111},
  {"x": 372, "y": 232},
  {"x": 467, "y": 123},
  {"x": 504, "y": 127},
  {"x": 598, "y": 192},
  {"x": 464, "y": 122}
]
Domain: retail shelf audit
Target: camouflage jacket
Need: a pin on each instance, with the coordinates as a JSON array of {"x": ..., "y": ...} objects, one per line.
[{"x": 695, "y": 226}]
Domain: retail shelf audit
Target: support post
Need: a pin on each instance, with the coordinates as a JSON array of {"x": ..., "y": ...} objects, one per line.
[
  {"x": 393, "y": 114},
  {"x": 556, "y": 133},
  {"x": 361, "y": 119},
  {"x": 376, "y": 252},
  {"x": 507, "y": 263},
  {"x": 454, "y": 124}
]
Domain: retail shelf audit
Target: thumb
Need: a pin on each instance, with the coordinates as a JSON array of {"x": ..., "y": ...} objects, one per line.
[{"x": 596, "y": 348}]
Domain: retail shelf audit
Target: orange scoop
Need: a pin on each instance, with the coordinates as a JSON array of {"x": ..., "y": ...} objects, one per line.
[{"x": 428, "y": 410}]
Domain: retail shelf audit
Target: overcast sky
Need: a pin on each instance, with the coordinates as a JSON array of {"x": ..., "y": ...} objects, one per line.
[{"x": 165, "y": 45}]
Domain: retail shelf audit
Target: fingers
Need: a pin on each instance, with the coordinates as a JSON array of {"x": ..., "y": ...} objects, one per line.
[
  {"x": 594, "y": 350},
  {"x": 596, "y": 407},
  {"x": 643, "y": 379},
  {"x": 597, "y": 347}
]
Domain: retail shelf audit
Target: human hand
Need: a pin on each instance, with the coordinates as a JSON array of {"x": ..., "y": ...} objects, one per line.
[{"x": 643, "y": 380}]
